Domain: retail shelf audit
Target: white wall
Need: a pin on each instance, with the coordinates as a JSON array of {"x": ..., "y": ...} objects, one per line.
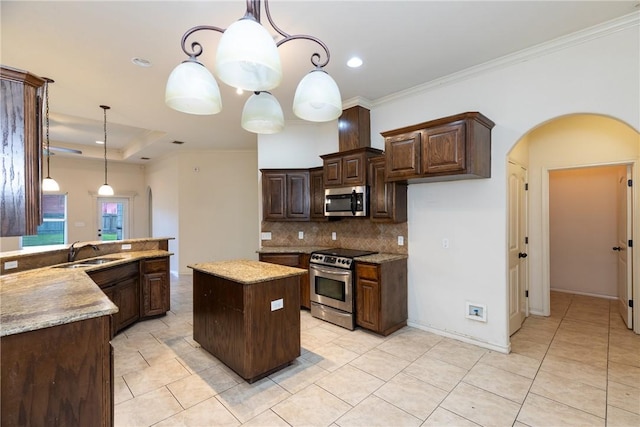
[
  {"x": 218, "y": 206},
  {"x": 597, "y": 74},
  {"x": 162, "y": 181},
  {"x": 591, "y": 72},
  {"x": 299, "y": 145},
  {"x": 208, "y": 201}
]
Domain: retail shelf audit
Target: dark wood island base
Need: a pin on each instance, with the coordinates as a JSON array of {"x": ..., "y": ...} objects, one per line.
[{"x": 247, "y": 314}]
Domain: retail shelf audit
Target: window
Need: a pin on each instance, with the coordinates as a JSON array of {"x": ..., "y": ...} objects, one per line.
[{"x": 53, "y": 230}]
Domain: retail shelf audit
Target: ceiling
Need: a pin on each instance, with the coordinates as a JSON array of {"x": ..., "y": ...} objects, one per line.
[{"x": 87, "y": 48}]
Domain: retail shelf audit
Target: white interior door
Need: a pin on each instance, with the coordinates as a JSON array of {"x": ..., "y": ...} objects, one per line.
[
  {"x": 625, "y": 217},
  {"x": 113, "y": 218},
  {"x": 518, "y": 265}
]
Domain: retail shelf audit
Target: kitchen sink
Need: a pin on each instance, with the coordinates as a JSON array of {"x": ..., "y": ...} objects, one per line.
[
  {"x": 88, "y": 263},
  {"x": 97, "y": 261},
  {"x": 74, "y": 265}
]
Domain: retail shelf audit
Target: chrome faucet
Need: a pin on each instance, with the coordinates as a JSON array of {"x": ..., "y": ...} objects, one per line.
[{"x": 73, "y": 250}]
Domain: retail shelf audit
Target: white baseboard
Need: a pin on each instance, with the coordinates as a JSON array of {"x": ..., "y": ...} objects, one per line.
[
  {"x": 587, "y": 294},
  {"x": 463, "y": 338}
]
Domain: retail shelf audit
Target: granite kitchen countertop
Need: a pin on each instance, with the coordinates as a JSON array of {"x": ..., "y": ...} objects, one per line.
[
  {"x": 46, "y": 297},
  {"x": 378, "y": 258},
  {"x": 289, "y": 249},
  {"x": 247, "y": 272},
  {"x": 51, "y": 296}
]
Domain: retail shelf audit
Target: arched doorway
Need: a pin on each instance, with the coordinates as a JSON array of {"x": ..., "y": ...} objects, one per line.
[{"x": 573, "y": 141}]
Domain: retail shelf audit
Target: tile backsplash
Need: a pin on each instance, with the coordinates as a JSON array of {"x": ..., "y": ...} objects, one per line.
[{"x": 351, "y": 233}]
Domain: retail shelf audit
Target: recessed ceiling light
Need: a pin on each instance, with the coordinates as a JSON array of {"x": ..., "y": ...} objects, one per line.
[
  {"x": 140, "y": 62},
  {"x": 354, "y": 62}
]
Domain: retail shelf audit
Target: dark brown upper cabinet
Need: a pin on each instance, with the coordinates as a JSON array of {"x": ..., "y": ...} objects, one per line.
[
  {"x": 451, "y": 148},
  {"x": 316, "y": 184},
  {"x": 388, "y": 200},
  {"x": 347, "y": 168},
  {"x": 21, "y": 124},
  {"x": 285, "y": 194},
  {"x": 354, "y": 128}
]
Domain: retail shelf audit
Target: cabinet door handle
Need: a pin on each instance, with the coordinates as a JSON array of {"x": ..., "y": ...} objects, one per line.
[
  {"x": 617, "y": 248},
  {"x": 522, "y": 255}
]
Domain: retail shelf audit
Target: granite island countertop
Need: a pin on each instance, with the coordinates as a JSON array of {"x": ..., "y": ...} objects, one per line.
[
  {"x": 50, "y": 296},
  {"x": 247, "y": 272}
]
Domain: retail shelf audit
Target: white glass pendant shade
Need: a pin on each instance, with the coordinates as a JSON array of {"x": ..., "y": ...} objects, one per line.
[
  {"x": 247, "y": 57},
  {"x": 262, "y": 114},
  {"x": 191, "y": 88},
  {"x": 50, "y": 184},
  {"x": 317, "y": 98},
  {"x": 105, "y": 190}
]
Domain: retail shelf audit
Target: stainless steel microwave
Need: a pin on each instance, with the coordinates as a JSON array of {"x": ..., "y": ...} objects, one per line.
[{"x": 346, "y": 201}]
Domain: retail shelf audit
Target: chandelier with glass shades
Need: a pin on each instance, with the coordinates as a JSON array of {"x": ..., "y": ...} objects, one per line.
[{"x": 247, "y": 59}]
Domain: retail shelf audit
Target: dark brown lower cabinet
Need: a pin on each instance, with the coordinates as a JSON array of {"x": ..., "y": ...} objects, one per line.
[
  {"x": 381, "y": 296},
  {"x": 294, "y": 260},
  {"x": 122, "y": 285},
  {"x": 58, "y": 376},
  {"x": 155, "y": 287}
]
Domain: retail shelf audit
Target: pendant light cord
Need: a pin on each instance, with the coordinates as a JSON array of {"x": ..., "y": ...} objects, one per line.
[
  {"x": 46, "y": 98},
  {"x": 105, "y": 108}
]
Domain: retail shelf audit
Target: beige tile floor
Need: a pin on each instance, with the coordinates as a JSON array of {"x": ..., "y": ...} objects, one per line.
[{"x": 580, "y": 366}]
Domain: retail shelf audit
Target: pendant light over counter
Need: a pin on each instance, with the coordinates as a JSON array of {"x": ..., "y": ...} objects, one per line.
[
  {"x": 247, "y": 58},
  {"x": 48, "y": 184},
  {"x": 105, "y": 189}
]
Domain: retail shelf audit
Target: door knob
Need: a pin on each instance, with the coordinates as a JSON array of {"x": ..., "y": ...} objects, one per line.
[
  {"x": 522, "y": 255},
  {"x": 617, "y": 248}
]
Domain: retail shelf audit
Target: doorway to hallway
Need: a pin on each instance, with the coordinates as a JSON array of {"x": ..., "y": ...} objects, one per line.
[{"x": 588, "y": 220}]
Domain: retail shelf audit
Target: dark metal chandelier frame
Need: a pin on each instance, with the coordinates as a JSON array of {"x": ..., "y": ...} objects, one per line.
[{"x": 253, "y": 12}]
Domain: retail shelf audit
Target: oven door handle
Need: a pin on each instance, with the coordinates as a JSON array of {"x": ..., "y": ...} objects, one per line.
[{"x": 333, "y": 272}]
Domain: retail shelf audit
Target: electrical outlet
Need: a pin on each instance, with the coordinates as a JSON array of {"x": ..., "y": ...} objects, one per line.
[
  {"x": 300, "y": 235},
  {"x": 476, "y": 312},
  {"x": 10, "y": 264},
  {"x": 333, "y": 235},
  {"x": 277, "y": 304},
  {"x": 445, "y": 243},
  {"x": 265, "y": 236},
  {"x": 126, "y": 246},
  {"x": 400, "y": 240}
]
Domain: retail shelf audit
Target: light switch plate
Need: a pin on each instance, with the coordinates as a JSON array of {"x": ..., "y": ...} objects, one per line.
[
  {"x": 265, "y": 235},
  {"x": 126, "y": 246},
  {"x": 10, "y": 264},
  {"x": 333, "y": 235}
]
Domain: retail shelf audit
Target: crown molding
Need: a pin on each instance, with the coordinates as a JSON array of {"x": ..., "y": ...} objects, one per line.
[
  {"x": 598, "y": 31},
  {"x": 357, "y": 100}
]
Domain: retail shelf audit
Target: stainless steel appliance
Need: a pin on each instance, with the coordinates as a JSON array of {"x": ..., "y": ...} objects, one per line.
[
  {"x": 346, "y": 201},
  {"x": 332, "y": 282}
]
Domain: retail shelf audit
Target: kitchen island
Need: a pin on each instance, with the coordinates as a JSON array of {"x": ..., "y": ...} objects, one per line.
[{"x": 247, "y": 314}]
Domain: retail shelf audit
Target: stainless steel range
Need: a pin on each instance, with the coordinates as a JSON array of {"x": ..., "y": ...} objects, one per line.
[{"x": 332, "y": 281}]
